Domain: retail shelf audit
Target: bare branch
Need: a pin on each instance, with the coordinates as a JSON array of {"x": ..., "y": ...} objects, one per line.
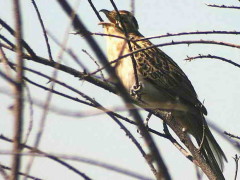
[
  {"x": 171, "y": 34},
  {"x": 187, "y": 33},
  {"x": 133, "y": 7},
  {"x": 102, "y": 76},
  {"x": 176, "y": 144},
  {"x": 232, "y": 135},
  {"x": 43, "y": 29},
  {"x": 12, "y": 32},
  {"x": 236, "y": 159},
  {"x": 18, "y": 106},
  {"x": 234, "y": 143},
  {"x": 200, "y": 56},
  {"x": 30, "y": 126},
  {"x": 3, "y": 173},
  {"x": 95, "y": 10},
  {"x": 69, "y": 51},
  {"x": 4, "y": 60},
  {"x": 20, "y": 173},
  {"x": 223, "y": 6},
  {"x": 168, "y": 44}
]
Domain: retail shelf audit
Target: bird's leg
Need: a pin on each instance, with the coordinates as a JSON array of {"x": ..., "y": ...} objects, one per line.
[
  {"x": 147, "y": 120},
  {"x": 136, "y": 91}
]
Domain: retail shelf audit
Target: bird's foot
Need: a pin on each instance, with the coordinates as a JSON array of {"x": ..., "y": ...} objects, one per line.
[
  {"x": 136, "y": 91},
  {"x": 147, "y": 120}
]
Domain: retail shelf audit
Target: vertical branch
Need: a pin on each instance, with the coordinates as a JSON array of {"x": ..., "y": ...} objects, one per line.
[
  {"x": 236, "y": 159},
  {"x": 132, "y": 4},
  {"x": 18, "y": 108},
  {"x": 95, "y": 10},
  {"x": 44, "y": 30}
]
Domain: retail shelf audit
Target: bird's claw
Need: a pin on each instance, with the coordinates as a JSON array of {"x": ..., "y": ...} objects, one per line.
[{"x": 136, "y": 91}]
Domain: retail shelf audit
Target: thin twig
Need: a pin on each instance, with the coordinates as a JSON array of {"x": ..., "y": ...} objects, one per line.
[
  {"x": 12, "y": 32},
  {"x": 69, "y": 51},
  {"x": 234, "y": 143},
  {"x": 187, "y": 33},
  {"x": 4, "y": 60},
  {"x": 200, "y": 56},
  {"x": 20, "y": 173},
  {"x": 107, "y": 86},
  {"x": 31, "y": 112},
  {"x": 95, "y": 11},
  {"x": 43, "y": 29},
  {"x": 101, "y": 73},
  {"x": 232, "y": 135},
  {"x": 176, "y": 144},
  {"x": 170, "y": 34},
  {"x": 223, "y": 6},
  {"x": 236, "y": 159},
  {"x": 133, "y": 7},
  {"x": 3, "y": 172},
  {"x": 168, "y": 44}
]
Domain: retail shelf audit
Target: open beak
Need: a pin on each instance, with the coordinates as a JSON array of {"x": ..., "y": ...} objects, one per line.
[{"x": 108, "y": 15}]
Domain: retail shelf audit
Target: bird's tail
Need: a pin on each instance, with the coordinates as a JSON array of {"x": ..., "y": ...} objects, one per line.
[
  {"x": 211, "y": 151},
  {"x": 209, "y": 148}
]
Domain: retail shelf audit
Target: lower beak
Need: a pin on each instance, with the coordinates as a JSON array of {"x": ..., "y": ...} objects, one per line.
[{"x": 105, "y": 23}]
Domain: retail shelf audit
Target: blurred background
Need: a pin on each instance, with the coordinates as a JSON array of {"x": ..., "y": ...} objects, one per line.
[{"x": 217, "y": 84}]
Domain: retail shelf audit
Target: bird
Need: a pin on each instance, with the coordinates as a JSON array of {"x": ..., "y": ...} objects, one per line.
[{"x": 157, "y": 82}]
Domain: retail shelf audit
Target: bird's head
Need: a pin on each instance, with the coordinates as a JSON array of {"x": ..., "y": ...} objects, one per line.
[{"x": 126, "y": 18}]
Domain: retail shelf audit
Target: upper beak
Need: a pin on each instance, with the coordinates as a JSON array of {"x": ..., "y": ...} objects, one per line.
[{"x": 104, "y": 11}]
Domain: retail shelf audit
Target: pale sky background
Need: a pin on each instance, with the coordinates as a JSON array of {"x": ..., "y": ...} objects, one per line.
[{"x": 217, "y": 84}]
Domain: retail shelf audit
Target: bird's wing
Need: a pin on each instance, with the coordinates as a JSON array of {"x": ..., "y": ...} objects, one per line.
[{"x": 158, "y": 68}]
